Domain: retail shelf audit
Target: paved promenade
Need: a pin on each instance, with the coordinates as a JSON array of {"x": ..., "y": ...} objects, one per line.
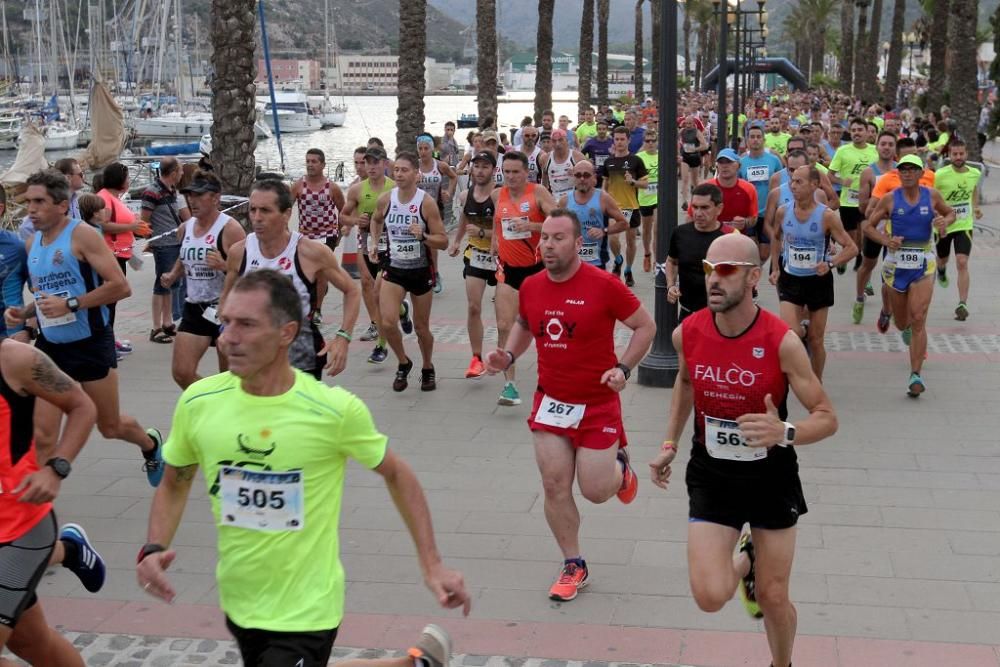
[{"x": 898, "y": 559}]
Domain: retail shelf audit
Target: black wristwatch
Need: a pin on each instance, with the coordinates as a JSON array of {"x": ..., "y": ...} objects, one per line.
[
  {"x": 60, "y": 465},
  {"x": 148, "y": 549},
  {"x": 73, "y": 304},
  {"x": 625, "y": 370}
]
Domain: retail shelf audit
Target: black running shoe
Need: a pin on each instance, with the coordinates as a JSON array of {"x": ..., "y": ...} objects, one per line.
[
  {"x": 428, "y": 381},
  {"x": 402, "y": 374}
]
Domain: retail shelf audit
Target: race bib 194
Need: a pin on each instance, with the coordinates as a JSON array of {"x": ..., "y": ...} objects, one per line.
[
  {"x": 802, "y": 258},
  {"x": 261, "y": 500}
]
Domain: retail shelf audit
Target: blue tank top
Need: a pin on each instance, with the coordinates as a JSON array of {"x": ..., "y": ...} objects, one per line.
[
  {"x": 804, "y": 243},
  {"x": 878, "y": 172},
  {"x": 591, "y": 216},
  {"x": 785, "y": 196},
  {"x": 54, "y": 270},
  {"x": 758, "y": 171},
  {"x": 912, "y": 222}
]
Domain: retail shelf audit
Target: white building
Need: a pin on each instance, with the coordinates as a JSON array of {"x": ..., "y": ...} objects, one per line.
[{"x": 378, "y": 72}]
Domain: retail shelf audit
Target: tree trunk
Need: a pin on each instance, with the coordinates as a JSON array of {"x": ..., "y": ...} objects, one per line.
[
  {"x": 891, "y": 90},
  {"x": 234, "y": 109},
  {"x": 656, "y": 16},
  {"x": 413, "y": 44},
  {"x": 818, "y": 51},
  {"x": 603, "y": 14},
  {"x": 964, "y": 83},
  {"x": 846, "y": 74},
  {"x": 687, "y": 37},
  {"x": 861, "y": 63},
  {"x": 939, "y": 52},
  {"x": 543, "y": 59},
  {"x": 586, "y": 72},
  {"x": 699, "y": 62},
  {"x": 874, "y": 52},
  {"x": 637, "y": 69},
  {"x": 486, "y": 61}
]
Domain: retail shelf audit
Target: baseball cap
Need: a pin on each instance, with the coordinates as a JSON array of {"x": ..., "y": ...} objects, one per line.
[
  {"x": 202, "y": 184},
  {"x": 485, "y": 156},
  {"x": 910, "y": 159},
  {"x": 376, "y": 153},
  {"x": 727, "y": 154},
  {"x": 489, "y": 135}
]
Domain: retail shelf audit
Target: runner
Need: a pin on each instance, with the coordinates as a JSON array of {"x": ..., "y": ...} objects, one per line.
[
  {"x": 520, "y": 208},
  {"x": 413, "y": 228},
  {"x": 273, "y": 444},
  {"x": 636, "y": 133},
  {"x": 587, "y": 127},
  {"x": 757, "y": 166},
  {"x": 537, "y": 158},
  {"x": 692, "y": 144},
  {"x": 593, "y": 209},
  {"x": 558, "y": 174},
  {"x": 27, "y": 521},
  {"x": 739, "y": 197},
  {"x": 800, "y": 266},
  {"x": 438, "y": 180},
  {"x": 598, "y": 148},
  {"x": 564, "y": 122},
  {"x": 272, "y": 245},
  {"x": 13, "y": 276},
  {"x": 319, "y": 201},
  {"x": 913, "y": 212},
  {"x": 576, "y": 421},
  {"x": 743, "y": 467},
  {"x": 959, "y": 185},
  {"x": 689, "y": 246},
  {"x": 848, "y": 163},
  {"x": 621, "y": 174},
  {"x": 206, "y": 241},
  {"x": 74, "y": 276},
  {"x": 478, "y": 209},
  {"x": 648, "y": 196},
  {"x": 362, "y": 198},
  {"x": 776, "y": 139},
  {"x": 886, "y": 148}
]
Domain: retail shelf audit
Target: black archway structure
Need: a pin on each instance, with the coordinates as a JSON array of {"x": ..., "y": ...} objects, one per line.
[{"x": 780, "y": 66}]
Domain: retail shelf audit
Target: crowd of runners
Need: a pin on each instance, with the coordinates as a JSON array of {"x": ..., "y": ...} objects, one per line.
[{"x": 810, "y": 187}]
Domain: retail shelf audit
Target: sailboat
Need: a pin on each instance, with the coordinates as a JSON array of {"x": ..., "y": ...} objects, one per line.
[{"x": 330, "y": 114}]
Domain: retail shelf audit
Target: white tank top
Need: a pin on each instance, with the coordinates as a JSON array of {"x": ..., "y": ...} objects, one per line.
[
  {"x": 533, "y": 175},
  {"x": 406, "y": 251},
  {"x": 498, "y": 173},
  {"x": 561, "y": 176},
  {"x": 286, "y": 262},
  {"x": 204, "y": 284},
  {"x": 430, "y": 182}
]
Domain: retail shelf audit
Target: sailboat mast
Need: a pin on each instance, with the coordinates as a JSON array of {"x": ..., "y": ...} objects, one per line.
[{"x": 177, "y": 52}]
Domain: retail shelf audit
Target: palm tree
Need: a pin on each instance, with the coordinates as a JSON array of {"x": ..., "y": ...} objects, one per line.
[
  {"x": 846, "y": 78},
  {"x": 413, "y": 43},
  {"x": 655, "y": 9},
  {"x": 861, "y": 63},
  {"x": 486, "y": 60},
  {"x": 819, "y": 14},
  {"x": 686, "y": 29},
  {"x": 637, "y": 73},
  {"x": 543, "y": 62},
  {"x": 603, "y": 14},
  {"x": 586, "y": 72},
  {"x": 939, "y": 53},
  {"x": 234, "y": 110},
  {"x": 895, "y": 63},
  {"x": 703, "y": 13},
  {"x": 871, "y": 90},
  {"x": 964, "y": 80}
]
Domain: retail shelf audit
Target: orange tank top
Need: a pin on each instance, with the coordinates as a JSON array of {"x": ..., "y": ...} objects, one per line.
[{"x": 517, "y": 248}]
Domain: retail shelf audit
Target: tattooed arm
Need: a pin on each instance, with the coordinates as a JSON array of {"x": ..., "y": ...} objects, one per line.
[{"x": 30, "y": 372}]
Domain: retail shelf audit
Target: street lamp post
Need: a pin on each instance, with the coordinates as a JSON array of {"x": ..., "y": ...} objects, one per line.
[
  {"x": 734, "y": 136},
  {"x": 722, "y": 9},
  {"x": 659, "y": 368},
  {"x": 885, "y": 60}
]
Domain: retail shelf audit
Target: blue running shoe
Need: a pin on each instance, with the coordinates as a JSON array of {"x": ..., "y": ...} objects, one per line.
[
  {"x": 153, "y": 465},
  {"x": 89, "y": 567}
]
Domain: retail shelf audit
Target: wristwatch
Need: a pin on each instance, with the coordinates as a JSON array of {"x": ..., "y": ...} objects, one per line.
[
  {"x": 789, "y": 435},
  {"x": 73, "y": 304},
  {"x": 60, "y": 465},
  {"x": 482, "y": 233},
  {"x": 624, "y": 369}
]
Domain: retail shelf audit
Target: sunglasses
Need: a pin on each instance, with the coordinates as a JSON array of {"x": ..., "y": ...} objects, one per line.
[
  {"x": 583, "y": 174},
  {"x": 649, "y": 140},
  {"x": 724, "y": 269}
]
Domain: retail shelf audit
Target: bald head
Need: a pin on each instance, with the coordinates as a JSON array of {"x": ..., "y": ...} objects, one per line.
[{"x": 733, "y": 248}]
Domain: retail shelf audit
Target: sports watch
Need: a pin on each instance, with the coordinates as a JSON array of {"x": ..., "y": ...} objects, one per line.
[
  {"x": 60, "y": 466},
  {"x": 624, "y": 369},
  {"x": 73, "y": 304},
  {"x": 789, "y": 435}
]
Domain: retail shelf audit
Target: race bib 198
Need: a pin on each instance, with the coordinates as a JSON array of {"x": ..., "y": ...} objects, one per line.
[
  {"x": 723, "y": 440},
  {"x": 261, "y": 500},
  {"x": 910, "y": 258},
  {"x": 557, "y": 413}
]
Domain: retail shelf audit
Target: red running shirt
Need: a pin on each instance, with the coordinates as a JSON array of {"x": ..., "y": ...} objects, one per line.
[
  {"x": 517, "y": 248},
  {"x": 737, "y": 201},
  {"x": 18, "y": 459},
  {"x": 573, "y": 323}
]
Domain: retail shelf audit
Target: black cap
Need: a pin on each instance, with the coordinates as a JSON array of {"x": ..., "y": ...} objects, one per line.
[
  {"x": 200, "y": 185},
  {"x": 487, "y": 156},
  {"x": 376, "y": 153}
]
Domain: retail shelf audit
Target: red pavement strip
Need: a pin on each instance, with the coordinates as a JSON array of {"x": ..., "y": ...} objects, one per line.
[{"x": 541, "y": 640}]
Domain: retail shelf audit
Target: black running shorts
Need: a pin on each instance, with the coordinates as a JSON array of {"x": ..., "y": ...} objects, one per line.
[{"x": 267, "y": 648}]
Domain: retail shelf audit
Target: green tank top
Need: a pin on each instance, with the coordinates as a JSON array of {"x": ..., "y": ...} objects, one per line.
[{"x": 368, "y": 198}]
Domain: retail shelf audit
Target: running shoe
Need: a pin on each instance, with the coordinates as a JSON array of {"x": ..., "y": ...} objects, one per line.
[
  {"x": 748, "y": 584},
  {"x": 858, "y": 311},
  {"x": 961, "y": 312},
  {"x": 402, "y": 374},
  {"x": 943, "y": 278},
  {"x": 805, "y": 332},
  {"x": 630, "y": 481},
  {"x": 316, "y": 318},
  {"x": 509, "y": 395},
  {"x": 428, "y": 380},
  {"x": 438, "y": 283},
  {"x": 617, "y": 270},
  {"x": 89, "y": 566},
  {"x": 433, "y": 647},
  {"x": 842, "y": 269},
  {"x": 647, "y": 263},
  {"x": 883, "y": 322},
  {"x": 371, "y": 333},
  {"x": 869, "y": 290},
  {"x": 571, "y": 579},
  {"x": 916, "y": 386},
  {"x": 476, "y": 368},
  {"x": 907, "y": 335},
  {"x": 378, "y": 355},
  {"x": 857, "y": 263},
  {"x": 153, "y": 465},
  {"x": 405, "y": 323},
  {"x": 629, "y": 279},
  {"x": 123, "y": 347}
]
